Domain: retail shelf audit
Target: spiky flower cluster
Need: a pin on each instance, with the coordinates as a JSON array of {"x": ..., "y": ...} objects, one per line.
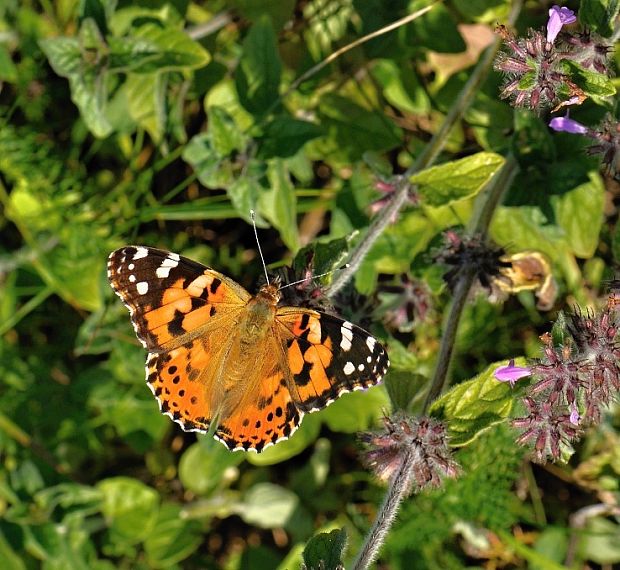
[
  {"x": 534, "y": 66},
  {"x": 471, "y": 253},
  {"x": 573, "y": 383},
  {"x": 419, "y": 444}
]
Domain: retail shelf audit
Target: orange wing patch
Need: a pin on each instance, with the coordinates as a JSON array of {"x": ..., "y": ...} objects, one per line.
[{"x": 266, "y": 415}]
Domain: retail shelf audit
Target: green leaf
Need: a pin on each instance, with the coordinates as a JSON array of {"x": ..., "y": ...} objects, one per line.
[
  {"x": 10, "y": 559},
  {"x": 81, "y": 61},
  {"x": 326, "y": 254},
  {"x": 593, "y": 83},
  {"x": 225, "y": 135},
  {"x": 244, "y": 193},
  {"x": 401, "y": 86},
  {"x": 353, "y": 130},
  {"x": 356, "y": 411},
  {"x": 172, "y": 539},
  {"x": 203, "y": 465},
  {"x": 285, "y": 136},
  {"x": 146, "y": 102},
  {"x": 456, "y": 180},
  {"x": 257, "y": 77},
  {"x": 402, "y": 387},
  {"x": 475, "y": 405},
  {"x": 599, "y": 15},
  {"x": 212, "y": 169},
  {"x": 279, "y": 204},
  {"x": 436, "y": 30},
  {"x": 580, "y": 214},
  {"x": 130, "y": 508},
  {"x": 266, "y": 505},
  {"x": 154, "y": 49},
  {"x": 8, "y": 70},
  {"x": 600, "y": 541},
  {"x": 325, "y": 551}
]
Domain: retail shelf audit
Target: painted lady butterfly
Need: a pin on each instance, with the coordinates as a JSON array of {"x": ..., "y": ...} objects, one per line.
[{"x": 216, "y": 353}]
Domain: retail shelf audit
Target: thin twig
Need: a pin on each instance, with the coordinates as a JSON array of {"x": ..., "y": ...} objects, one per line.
[
  {"x": 213, "y": 25},
  {"x": 335, "y": 55}
]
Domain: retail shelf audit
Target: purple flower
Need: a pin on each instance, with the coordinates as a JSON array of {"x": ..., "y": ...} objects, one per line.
[
  {"x": 567, "y": 125},
  {"x": 511, "y": 373},
  {"x": 574, "y": 414},
  {"x": 558, "y": 17}
]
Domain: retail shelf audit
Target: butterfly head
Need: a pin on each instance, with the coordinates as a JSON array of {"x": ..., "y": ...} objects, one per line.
[{"x": 269, "y": 293}]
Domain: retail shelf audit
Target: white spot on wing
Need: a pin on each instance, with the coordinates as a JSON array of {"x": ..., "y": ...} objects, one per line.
[
  {"x": 349, "y": 368},
  {"x": 140, "y": 253},
  {"x": 360, "y": 367},
  {"x": 142, "y": 287},
  {"x": 167, "y": 264},
  {"x": 132, "y": 278},
  {"x": 347, "y": 336},
  {"x": 370, "y": 343},
  {"x": 131, "y": 266}
]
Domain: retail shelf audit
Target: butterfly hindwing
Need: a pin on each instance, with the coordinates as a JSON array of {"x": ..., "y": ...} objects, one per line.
[
  {"x": 266, "y": 412},
  {"x": 169, "y": 296},
  {"x": 328, "y": 356}
]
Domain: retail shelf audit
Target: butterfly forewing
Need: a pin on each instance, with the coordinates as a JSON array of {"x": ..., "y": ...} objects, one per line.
[
  {"x": 170, "y": 297},
  {"x": 328, "y": 356}
]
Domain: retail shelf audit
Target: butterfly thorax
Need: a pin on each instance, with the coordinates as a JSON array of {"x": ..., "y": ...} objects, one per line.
[{"x": 260, "y": 313}]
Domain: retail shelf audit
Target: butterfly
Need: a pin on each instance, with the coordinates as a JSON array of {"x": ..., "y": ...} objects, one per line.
[{"x": 217, "y": 354}]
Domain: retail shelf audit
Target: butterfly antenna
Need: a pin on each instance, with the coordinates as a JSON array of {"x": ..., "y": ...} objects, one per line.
[
  {"x": 260, "y": 251},
  {"x": 313, "y": 277}
]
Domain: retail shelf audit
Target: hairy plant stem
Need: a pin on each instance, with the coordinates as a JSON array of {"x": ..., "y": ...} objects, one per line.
[
  {"x": 486, "y": 204},
  {"x": 489, "y": 199},
  {"x": 397, "y": 491}
]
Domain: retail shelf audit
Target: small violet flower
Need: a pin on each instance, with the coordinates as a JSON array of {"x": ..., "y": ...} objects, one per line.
[
  {"x": 574, "y": 414},
  {"x": 567, "y": 125},
  {"x": 558, "y": 17},
  {"x": 511, "y": 373}
]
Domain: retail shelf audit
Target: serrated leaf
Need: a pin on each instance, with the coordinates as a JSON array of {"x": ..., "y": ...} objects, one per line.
[
  {"x": 285, "y": 136},
  {"x": 257, "y": 77},
  {"x": 599, "y": 15},
  {"x": 266, "y": 505},
  {"x": 456, "y": 180},
  {"x": 325, "y": 551},
  {"x": 475, "y": 405},
  {"x": 278, "y": 203},
  {"x": 580, "y": 214}
]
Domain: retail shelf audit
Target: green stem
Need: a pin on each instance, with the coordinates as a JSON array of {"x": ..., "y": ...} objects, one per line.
[{"x": 26, "y": 308}]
